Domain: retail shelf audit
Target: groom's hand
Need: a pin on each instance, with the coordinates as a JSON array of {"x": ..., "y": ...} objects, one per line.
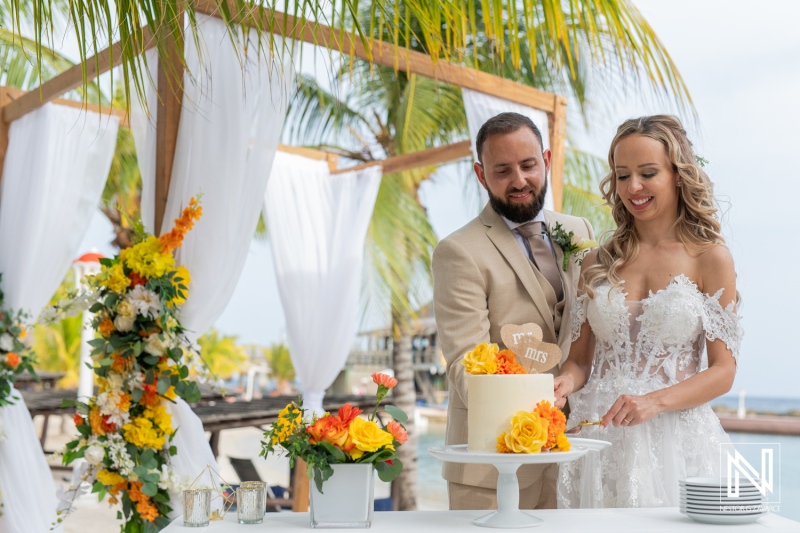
[{"x": 564, "y": 385}]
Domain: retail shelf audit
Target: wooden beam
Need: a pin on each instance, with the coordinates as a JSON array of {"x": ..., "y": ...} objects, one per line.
[
  {"x": 423, "y": 158},
  {"x": 170, "y": 101},
  {"x": 557, "y": 124},
  {"x": 305, "y": 152},
  {"x": 386, "y": 54},
  {"x": 15, "y": 94},
  {"x": 70, "y": 79}
]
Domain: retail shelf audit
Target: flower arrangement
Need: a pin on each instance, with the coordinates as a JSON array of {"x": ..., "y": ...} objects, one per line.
[
  {"x": 489, "y": 359},
  {"x": 126, "y": 431},
  {"x": 535, "y": 431},
  {"x": 344, "y": 437},
  {"x": 570, "y": 244},
  {"x": 14, "y": 357}
]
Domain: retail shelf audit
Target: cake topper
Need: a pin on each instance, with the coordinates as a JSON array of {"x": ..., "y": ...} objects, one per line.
[{"x": 532, "y": 352}]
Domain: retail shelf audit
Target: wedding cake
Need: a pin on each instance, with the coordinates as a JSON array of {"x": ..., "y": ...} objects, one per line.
[{"x": 494, "y": 399}]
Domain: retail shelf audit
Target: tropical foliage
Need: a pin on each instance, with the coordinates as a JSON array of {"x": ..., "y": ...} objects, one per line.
[
  {"x": 221, "y": 353},
  {"x": 558, "y": 36},
  {"x": 280, "y": 366}
]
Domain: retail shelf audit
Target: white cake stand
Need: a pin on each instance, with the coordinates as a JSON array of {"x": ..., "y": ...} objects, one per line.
[{"x": 508, "y": 514}]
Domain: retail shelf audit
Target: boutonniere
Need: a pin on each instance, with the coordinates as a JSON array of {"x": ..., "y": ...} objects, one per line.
[{"x": 570, "y": 244}]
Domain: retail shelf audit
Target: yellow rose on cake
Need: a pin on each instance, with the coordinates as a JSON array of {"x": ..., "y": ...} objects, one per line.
[{"x": 528, "y": 434}]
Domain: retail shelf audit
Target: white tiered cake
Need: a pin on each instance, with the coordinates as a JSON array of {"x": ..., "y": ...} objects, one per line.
[{"x": 494, "y": 399}]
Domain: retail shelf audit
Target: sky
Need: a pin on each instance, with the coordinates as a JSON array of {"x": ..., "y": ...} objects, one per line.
[{"x": 741, "y": 63}]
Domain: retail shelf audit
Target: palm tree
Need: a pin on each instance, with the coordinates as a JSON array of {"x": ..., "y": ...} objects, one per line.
[
  {"x": 280, "y": 366},
  {"x": 221, "y": 353},
  {"x": 614, "y": 32}
]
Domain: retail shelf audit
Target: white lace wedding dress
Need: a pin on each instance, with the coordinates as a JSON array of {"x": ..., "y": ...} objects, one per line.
[{"x": 642, "y": 346}]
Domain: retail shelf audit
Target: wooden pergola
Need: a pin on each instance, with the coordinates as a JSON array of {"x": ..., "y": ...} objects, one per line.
[{"x": 15, "y": 103}]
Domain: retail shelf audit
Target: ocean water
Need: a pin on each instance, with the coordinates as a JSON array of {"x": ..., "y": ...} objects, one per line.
[
  {"x": 433, "y": 489},
  {"x": 779, "y": 406}
]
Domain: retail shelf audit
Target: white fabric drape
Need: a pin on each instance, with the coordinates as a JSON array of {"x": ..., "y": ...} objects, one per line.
[
  {"x": 233, "y": 111},
  {"x": 481, "y": 107},
  {"x": 317, "y": 225},
  {"x": 57, "y": 164}
]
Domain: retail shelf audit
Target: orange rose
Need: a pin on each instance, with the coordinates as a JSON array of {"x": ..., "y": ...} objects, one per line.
[
  {"x": 507, "y": 363},
  {"x": 398, "y": 432},
  {"x": 328, "y": 429},
  {"x": 78, "y": 419},
  {"x": 96, "y": 421},
  {"x": 120, "y": 364},
  {"x": 384, "y": 379},
  {"x": 12, "y": 359},
  {"x": 136, "y": 279},
  {"x": 106, "y": 327}
]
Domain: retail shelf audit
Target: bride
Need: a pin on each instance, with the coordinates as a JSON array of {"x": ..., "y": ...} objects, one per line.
[{"x": 661, "y": 289}]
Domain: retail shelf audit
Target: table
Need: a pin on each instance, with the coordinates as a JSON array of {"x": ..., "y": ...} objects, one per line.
[{"x": 555, "y": 520}]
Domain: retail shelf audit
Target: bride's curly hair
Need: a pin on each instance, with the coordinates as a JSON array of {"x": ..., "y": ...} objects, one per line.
[{"x": 697, "y": 226}]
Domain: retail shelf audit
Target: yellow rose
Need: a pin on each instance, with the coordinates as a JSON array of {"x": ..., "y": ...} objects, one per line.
[
  {"x": 367, "y": 437},
  {"x": 481, "y": 360},
  {"x": 528, "y": 433}
]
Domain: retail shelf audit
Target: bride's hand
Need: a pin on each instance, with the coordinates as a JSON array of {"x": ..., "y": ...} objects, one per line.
[
  {"x": 564, "y": 386},
  {"x": 630, "y": 410}
]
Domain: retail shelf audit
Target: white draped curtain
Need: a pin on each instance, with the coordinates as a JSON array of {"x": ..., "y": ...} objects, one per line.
[
  {"x": 481, "y": 107},
  {"x": 234, "y": 106},
  {"x": 318, "y": 224},
  {"x": 55, "y": 169}
]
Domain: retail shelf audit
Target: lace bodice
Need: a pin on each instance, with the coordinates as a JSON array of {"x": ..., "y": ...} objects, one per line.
[
  {"x": 642, "y": 346},
  {"x": 660, "y": 337}
]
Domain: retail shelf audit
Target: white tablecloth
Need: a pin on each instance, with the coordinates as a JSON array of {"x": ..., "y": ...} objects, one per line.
[{"x": 560, "y": 521}]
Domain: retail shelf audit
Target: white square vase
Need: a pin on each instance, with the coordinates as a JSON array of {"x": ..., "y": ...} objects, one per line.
[{"x": 347, "y": 499}]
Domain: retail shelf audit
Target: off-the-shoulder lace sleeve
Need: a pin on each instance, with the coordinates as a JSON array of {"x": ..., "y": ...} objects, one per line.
[
  {"x": 579, "y": 315},
  {"x": 722, "y": 324}
]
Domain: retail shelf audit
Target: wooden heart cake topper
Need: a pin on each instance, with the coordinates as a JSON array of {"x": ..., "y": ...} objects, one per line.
[{"x": 526, "y": 342}]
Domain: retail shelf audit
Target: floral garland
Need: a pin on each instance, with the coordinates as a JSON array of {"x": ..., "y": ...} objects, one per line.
[
  {"x": 14, "y": 359},
  {"x": 139, "y": 359},
  {"x": 14, "y": 355}
]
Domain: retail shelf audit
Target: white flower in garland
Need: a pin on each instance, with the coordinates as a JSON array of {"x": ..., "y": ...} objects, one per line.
[
  {"x": 94, "y": 455},
  {"x": 155, "y": 345},
  {"x": 124, "y": 323},
  {"x": 118, "y": 454},
  {"x": 6, "y": 342},
  {"x": 145, "y": 301},
  {"x": 171, "y": 481},
  {"x": 109, "y": 404}
]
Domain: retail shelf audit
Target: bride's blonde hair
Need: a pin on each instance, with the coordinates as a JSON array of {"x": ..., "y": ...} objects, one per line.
[{"x": 697, "y": 225}]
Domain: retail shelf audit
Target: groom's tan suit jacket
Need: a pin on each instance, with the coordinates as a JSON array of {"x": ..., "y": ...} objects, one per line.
[{"x": 483, "y": 280}]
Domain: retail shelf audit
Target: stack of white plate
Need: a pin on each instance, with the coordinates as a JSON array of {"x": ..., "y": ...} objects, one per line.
[{"x": 705, "y": 499}]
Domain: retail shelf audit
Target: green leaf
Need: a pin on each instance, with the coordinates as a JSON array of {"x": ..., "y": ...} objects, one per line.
[
  {"x": 337, "y": 453},
  {"x": 388, "y": 472},
  {"x": 396, "y": 413},
  {"x": 151, "y": 489}
]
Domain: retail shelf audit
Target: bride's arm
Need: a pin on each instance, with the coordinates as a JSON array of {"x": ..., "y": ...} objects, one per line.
[
  {"x": 716, "y": 272},
  {"x": 575, "y": 371}
]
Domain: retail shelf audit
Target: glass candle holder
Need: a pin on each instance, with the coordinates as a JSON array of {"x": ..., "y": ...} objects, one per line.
[
  {"x": 257, "y": 485},
  {"x": 251, "y": 503},
  {"x": 196, "y": 507}
]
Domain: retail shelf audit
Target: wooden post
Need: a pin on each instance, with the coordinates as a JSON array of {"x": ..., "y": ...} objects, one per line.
[
  {"x": 300, "y": 487},
  {"x": 557, "y": 126},
  {"x": 170, "y": 99},
  {"x": 5, "y": 99}
]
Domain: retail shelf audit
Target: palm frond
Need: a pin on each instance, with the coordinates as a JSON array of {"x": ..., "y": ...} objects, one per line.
[{"x": 582, "y": 175}]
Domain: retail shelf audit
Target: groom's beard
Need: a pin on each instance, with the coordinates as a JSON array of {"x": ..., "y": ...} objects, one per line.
[{"x": 516, "y": 212}]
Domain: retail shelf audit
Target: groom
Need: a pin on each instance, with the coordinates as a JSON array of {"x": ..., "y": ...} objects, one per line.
[{"x": 499, "y": 269}]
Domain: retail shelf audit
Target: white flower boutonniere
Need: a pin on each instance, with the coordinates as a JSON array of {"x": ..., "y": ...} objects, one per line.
[{"x": 570, "y": 244}]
